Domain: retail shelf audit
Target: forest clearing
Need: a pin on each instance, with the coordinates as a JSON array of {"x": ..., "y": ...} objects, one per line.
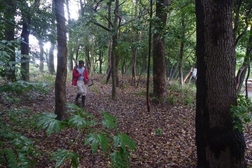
[{"x": 165, "y": 136}]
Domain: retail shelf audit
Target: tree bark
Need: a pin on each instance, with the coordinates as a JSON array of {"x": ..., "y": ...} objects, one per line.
[
  {"x": 60, "y": 82},
  {"x": 218, "y": 143},
  {"x": 114, "y": 56},
  {"x": 25, "y": 49},
  {"x": 159, "y": 67}
]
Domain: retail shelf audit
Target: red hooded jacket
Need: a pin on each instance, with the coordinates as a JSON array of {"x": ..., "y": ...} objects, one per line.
[{"x": 76, "y": 75}]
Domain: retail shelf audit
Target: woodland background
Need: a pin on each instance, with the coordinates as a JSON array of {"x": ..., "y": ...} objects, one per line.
[{"x": 141, "y": 56}]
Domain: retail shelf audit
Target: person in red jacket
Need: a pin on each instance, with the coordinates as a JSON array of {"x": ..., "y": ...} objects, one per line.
[{"x": 80, "y": 79}]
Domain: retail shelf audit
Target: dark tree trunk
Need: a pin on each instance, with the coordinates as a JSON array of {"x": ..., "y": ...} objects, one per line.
[
  {"x": 100, "y": 61},
  {"x": 114, "y": 56},
  {"x": 25, "y": 59},
  {"x": 159, "y": 67},
  {"x": 218, "y": 143},
  {"x": 60, "y": 83}
]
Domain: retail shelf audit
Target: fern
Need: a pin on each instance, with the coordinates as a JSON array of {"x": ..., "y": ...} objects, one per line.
[
  {"x": 109, "y": 121},
  {"x": 63, "y": 155},
  {"x": 80, "y": 122},
  {"x": 11, "y": 158},
  {"x": 97, "y": 140},
  {"x": 49, "y": 122},
  {"x": 120, "y": 159},
  {"x": 123, "y": 140}
]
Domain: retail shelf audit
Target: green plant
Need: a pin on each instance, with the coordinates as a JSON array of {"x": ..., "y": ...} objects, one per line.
[
  {"x": 158, "y": 131},
  {"x": 20, "y": 87},
  {"x": 10, "y": 90},
  {"x": 113, "y": 143},
  {"x": 16, "y": 149},
  {"x": 183, "y": 94},
  {"x": 241, "y": 113}
]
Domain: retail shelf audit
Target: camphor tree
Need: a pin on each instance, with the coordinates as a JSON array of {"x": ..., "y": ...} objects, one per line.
[{"x": 218, "y": 143}]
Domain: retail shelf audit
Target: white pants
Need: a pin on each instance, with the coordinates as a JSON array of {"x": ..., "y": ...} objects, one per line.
[{"x": 81, "y": 88}]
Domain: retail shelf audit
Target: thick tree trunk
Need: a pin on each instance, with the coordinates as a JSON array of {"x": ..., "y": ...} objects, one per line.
[
  {"x": 218, "y": 143},
  {"x": 60, "y": 83},
  {"x": 159, "y": 67}
]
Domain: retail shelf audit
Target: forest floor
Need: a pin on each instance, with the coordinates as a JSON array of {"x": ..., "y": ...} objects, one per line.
[{"x": 165, "y": 136}]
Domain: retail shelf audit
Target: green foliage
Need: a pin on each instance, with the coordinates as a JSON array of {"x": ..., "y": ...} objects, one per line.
[
  {"x": 119, "y": 158},
  {"x": 158, "y": 131},
  {"x": 7, "y": 52},
  {"x": 62, "y": 155},
  {"x": 17, "y": 150},
  {"x": 20, "y": 87},
  {"x": 241, "y": 113},
  {"x": 11, "y": 90},
  {"x": 113, "y": 144},
  {"x": 49, "y": 122},
  {"x": 181, "y": 94},
  {"x": 124, "y": 141},
  {"x": 96, "y": 140},
  {"x": 109, "y": 121}
]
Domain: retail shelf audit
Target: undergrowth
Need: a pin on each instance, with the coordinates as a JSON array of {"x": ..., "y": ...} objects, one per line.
[
  {"x": 181, "y": 94},
  {"x": 17, "y": 150}
]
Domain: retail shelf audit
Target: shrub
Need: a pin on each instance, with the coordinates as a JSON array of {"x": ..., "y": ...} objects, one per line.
[{"x": 241, "y": 113}]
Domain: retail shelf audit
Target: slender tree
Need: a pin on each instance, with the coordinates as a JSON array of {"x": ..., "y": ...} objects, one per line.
[
  {"x": 60, "y": 82},
  {"x": 52, "y": 38},
  {"x": 26, "y": 21},
  {"x": 218, "y": 143}
]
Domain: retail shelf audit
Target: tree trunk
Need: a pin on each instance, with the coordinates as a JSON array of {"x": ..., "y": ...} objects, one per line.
[
  {"x": 41, "y": 56},
  {"x": 134, "y": 38},
  {"x": 60, "y": 83},
  {"x": 159, "y": 67},
  {"x": 181, "y": 53},
  {"x": 114, "y": 57},
  {"x": 51, "y": 58},
  {"x": 25, "y": 49},
  {"x": 218, "y": 143},
  {"x": 242, "y": 71},
  {"x": 109, "y": 40}
]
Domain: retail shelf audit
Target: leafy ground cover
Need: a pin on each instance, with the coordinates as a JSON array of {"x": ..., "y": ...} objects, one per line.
[{"x": 165, "y": 136}]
